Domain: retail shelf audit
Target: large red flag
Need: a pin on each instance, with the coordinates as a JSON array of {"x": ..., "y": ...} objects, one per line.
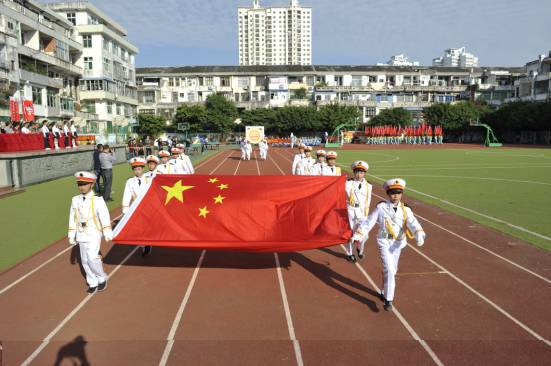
[{"x": 250, "y": 213}]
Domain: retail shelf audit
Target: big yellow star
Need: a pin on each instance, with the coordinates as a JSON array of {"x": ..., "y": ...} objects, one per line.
[
  {"x": 203, "y": 212},
  {"x": 223, "y": 186},
  {"x": 213, "y": 180},
  {"x": 176, "y": 191},
  {"x": 218, "y": 199}
]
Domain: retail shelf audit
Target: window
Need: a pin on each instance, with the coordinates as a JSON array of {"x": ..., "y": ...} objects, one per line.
[
  {"x": 121, "y": 110},
  {"x": 11, "y": 26},
  {"x": 71, "y": 17},
  {"x": 52, "y": 99},
  {"x": 67, "y": 104},
  {"x": 106, "y": 65},
  {"x": 37, "y": 95},
  {"x": 149, "y": 96},
  {"x": 106, "y": 45},
  {"x": 87, "y": 41},
  {"x": 109, "y": 107},
  {"x": 62, "y": 50},
  {"x": 88, "y": 64}
]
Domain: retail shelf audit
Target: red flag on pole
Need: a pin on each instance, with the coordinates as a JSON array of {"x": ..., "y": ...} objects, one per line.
[
  {"x": 14, "y": 109},
  {"x": 28, "y": 110},
  {"x": 249, "y": 213}
]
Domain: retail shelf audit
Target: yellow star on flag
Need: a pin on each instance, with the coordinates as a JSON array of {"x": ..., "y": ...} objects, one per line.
[
  {"x": 203, "y": 212},
  {"x": 176, "y": 191},
  {"x": 213, "y": 180},
  {"x": 218, "y": 199},
  {"x": 223, "y": 186}
]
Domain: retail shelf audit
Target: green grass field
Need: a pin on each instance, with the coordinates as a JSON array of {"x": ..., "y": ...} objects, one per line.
[
  {"x": 512, "y": 185},
  {"x": 36, "y": 218}
]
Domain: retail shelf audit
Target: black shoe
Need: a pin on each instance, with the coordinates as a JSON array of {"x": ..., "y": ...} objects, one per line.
[
  {"x": 146, "y": 250},
  {"x": 360, "y": 254},
  {"x": 102, "y": 286},
  {"x": 91, "y": 290},
  {"x": 387, "y": 305},
  {"x": 382, "y": 297},
  {"x": 351, "y": 258}
]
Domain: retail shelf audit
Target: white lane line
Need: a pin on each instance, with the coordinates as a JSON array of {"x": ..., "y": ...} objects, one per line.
[
  {"x": 519, "y": 228},
  {"x": 256, "y": 160},
  {"x": 494, "y": 305},
  {"x": 463, "y": 167},
  {"x": 404, "y": 322},
  {"x": 71, "y": 314},
  {"x": 40, "y": 266},
  {"x": 207, "y": 160},
  {"x": 479, "y": 246},
  {"x": 180, "y": 312},
  {"x": 222, "y": 162},
  {"x": 291, "y": 328},
  {"x": 277, "y": 165},
  {"x": 475, "y": 178}
]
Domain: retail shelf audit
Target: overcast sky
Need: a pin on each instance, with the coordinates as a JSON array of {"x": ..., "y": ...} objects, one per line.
[{"x": 204, "y": 32}]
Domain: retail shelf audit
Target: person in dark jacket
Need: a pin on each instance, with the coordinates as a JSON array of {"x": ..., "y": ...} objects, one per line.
[{"x": 97, "y": 168}]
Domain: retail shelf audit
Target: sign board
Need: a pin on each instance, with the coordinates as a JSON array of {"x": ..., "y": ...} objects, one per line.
[
  {"x": 28, "y": 110},
  {"x": 183, "y": 126},
  {"x": 278, "y": 83},
  {"x": 14, "y": 109},
  {"x": 254, "y": 134}
]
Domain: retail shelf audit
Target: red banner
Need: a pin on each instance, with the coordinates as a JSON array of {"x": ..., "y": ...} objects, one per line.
[
  {"x": 14, "y": 109},
  {"x": 248, "y": 213},
  {"x": 28, "y": 110}
]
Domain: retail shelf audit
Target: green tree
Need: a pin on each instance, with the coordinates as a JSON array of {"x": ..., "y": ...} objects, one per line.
[
  {"x": 150, "y": 125},
  {"x": 332, "y": 115},
  {"x": 393, "y": 116},
  {"x": 260, "y": 117},
  {"x": 454, "y": 117},
  {"x": 299, "y": 94},
  {"x": 221, "y": 113},
  {"x": 195, "y": 115}
]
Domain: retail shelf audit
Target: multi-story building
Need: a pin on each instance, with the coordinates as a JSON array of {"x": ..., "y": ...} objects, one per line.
[
  {"x": 399, "y": 60},
  {"x": 275, "y": 36},
  {"x": 536, "y": 84},
  {"x": 456, "y": 57},
  {"x": 370, "y": 88},
  {"x": 39, "y": 55},
  {"x": 108, "y": 84}
]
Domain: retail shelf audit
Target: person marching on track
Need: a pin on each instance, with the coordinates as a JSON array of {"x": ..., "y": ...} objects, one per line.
[
  {"x": 298, "y": 157},
  {"x": 243, "y": 145},
  {"x": 331, "y": 169},
  {"x": 263, "y": 147},
  {"x": 167, "y": 165},
  {"x": 248, "y": 149},
  {"x": 186, "y": 161},
  {"x": 133, "y": 188},
  {"x": 320, "y": 163},
  {"x": 396, "y": 224},
  {"x": 88, "y": 221},
  {"x": 306, "y": 164},
  {"x": 358, "y": 192},
  {"x": 152, "y": 163},
  {"x": 181, "y": 166}
]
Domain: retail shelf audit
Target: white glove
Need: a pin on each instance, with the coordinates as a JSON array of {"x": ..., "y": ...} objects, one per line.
[
  {"x": 108, "y": 234},
  {"x": 420, "y": 238},
  {"x": 125, "y": 210},
  {"x": 72, "y": 240}
]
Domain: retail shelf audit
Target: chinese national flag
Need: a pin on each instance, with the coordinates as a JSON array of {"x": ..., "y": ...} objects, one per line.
[{"x": 248, "y": 213}]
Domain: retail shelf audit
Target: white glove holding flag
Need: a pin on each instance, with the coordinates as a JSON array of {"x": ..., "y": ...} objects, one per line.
[
  {"x": 108, "y": 234},
  {"x": 72, "y": 240},
  {"x": 420, "y": 238}
]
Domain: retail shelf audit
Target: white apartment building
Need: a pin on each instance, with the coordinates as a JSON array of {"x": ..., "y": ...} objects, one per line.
[
  {"x": 536, "y": 84},
  {"x": 275, "y": 36},
  {"x": 456, "y": 57},
  {"x": 108, "y": 84},
  {"x": 39, "y": 55},
  {"x": 399, "y": 60}
]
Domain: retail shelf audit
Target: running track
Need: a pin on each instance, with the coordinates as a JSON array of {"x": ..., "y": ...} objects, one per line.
[{"x": 470, "y": 296}]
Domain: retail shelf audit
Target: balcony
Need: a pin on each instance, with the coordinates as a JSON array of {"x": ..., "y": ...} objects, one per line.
[
  {"x": 41, "y": 79},
  {"x": 49, "y": 59}
]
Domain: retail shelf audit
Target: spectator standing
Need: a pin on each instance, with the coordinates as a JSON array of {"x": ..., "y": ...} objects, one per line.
[
  {"x": 107, "y": 158},
  {"x": 25, "y": 129},
  {"x": 74, "y": 134},
  {"x": 97, "y": 168},
  {"x": 46, "y": 135}
]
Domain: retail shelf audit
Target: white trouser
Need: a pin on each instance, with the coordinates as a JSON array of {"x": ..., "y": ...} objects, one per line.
[
  {"x": 248, "y": 154},
  {"x": 389, "y": 251},
  {"x": 263, "y": 154},
  {"x": 243, "y": 154},
  {"x": 91, "y": 262},
  {"x": 354, "y": 220},
  {"x": 56, "y": 144}
]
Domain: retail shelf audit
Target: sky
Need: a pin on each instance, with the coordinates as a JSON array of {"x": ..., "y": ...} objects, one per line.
[{"x": 355, "y": 32}]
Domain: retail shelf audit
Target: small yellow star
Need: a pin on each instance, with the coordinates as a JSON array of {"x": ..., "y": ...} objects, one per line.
[
  {"x": 176, "y": 191},
  {"x": 223, "y": 186},
  {"x": 204, "y": 212},
  {"x": 218, "y": 199},
  {"x": 213, "y": 180}
]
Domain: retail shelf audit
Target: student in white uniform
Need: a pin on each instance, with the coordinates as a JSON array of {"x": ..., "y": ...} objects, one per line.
[
  {"x": 66, "y": 132},
  {"x": 46, "y": 135},
  {"x": 331, "y": 169},
  {"x": 57, "y": 134},
  {"x": 74, "y": 133},
  {"x": 358, "y": 194},
  {"x": 298, "y": 157},
  {"x": 306, "y": 164},
  {"x": 396, "y": 224},
  {"x": 88, "y": 221},
  {"x": 320, "y": 163},
  {"x": 243, "y": 145},
  {"x": 167, "y": 166},
  {"x": 181, "y": 166},
  {"x": 152, "y": 163},
  {"x": 248, "y": 149},
  {"x": 186, "y": 160},
  {"x": 263, "y": 147}
]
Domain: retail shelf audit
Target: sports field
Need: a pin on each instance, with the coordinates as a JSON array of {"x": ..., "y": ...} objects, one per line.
[{"x": 508, "y": 189}]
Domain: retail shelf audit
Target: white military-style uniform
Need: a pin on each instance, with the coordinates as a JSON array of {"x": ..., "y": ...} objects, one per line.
[
  {"x": 358, "y": 194},
  {"x": 248, "y": 149},
  {"x": 330, "y": 171},
  {"x": 306, "y": 166},
  {"x": 88, "y": 220},
  {"x": 296, "y": 160},
  {"x": 150, "y": 175},
  {"x": 57, "y": 135},
  {"x": 66, "y": 133},
  {"x": 74, "y": 135},
  {"x": 317, "y": 169},
  {"x": 186, "y": 163},
  {"x": 396, "y": 224},
  {"x": 263, "y": 147},
  {"x": 171, "y": 167},
  {"x": 133, "y": 188}
]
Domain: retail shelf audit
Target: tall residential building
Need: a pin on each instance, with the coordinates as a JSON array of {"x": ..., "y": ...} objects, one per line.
[
  {"x": 275, "y": 36},
  {"x": 400, "y": 60},
  {"x": 38, "y": 58},
  {"x": 108, "y": 85},
  {"x": 456, "y": 57}
]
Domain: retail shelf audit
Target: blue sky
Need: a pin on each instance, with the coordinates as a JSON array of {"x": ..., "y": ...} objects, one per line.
[{"x": 193, "y": 32}]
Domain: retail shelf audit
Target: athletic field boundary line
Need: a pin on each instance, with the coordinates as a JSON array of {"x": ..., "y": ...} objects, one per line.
[
  {"x": 89, "y": 297},
  {"x": 180, "y": 312},
  {"x": 402, "y": 320},
  {"x": 69, "y": 247}
]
